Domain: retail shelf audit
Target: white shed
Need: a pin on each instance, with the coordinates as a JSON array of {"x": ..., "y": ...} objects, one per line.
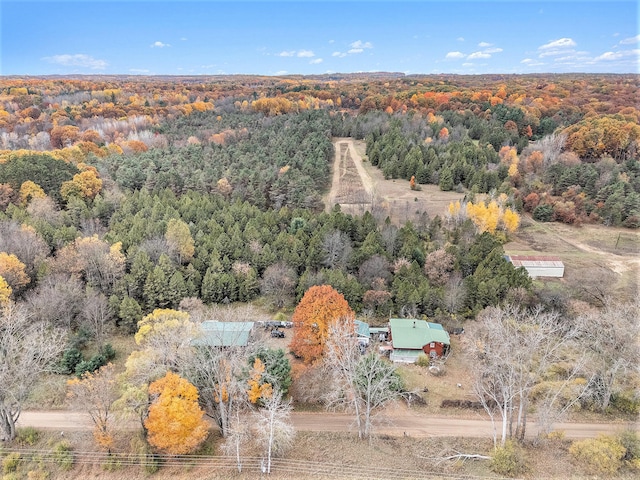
[{"x": 539, "y": 266}]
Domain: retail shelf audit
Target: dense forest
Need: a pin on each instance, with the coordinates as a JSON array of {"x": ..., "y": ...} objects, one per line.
[{"x": 152, "y": 190}]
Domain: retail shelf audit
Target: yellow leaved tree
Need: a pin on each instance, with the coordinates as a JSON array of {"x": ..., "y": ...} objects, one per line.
[
  {"x": 5, "y": 292},
  {"x": 175, "y": 423},
  {"x": 258, "y": 389},
  {"x": 12, "y": 270}
]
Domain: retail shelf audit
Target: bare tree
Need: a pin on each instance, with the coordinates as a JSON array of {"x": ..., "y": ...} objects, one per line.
[
  {"x": 551, "y": 146},
  {"x": 58, "y": 299},
  {"x": 28, "y": 348},
  {"x": 455, "y": 293},
  {"x": 363, "y": 384},
  {"x": 513, "y": 348},
  {"x": 96, "y": 313},
  {"x": 239, "y": 435},
  {"x": 274, "y": 432},
  {"x": 336, "y": 249},
  {"x": 279, "y": 283},
  {"x": 374, "y": 267},
  {"x": 96, "y": 394},
  {"x": 611, "y": 335}
]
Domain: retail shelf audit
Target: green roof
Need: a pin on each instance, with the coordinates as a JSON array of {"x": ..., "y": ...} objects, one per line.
[
  {"x": 224, "y": 334},
  {"x": 413, "y": 334},
  {"x": 404, "y": 355},
  {"x": 362, "y": 329}
]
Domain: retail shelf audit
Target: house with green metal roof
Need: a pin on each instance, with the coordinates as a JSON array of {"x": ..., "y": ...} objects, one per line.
[
  {"x": 411, "y": 337},
  {"x": 224, "y": 334}
]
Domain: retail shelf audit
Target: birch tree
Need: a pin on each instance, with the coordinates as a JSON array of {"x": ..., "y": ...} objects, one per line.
[
  {"x": 274, "y": 432},
  {"x": 28, "y": 349},
  {"x": 362, "y": 384}
]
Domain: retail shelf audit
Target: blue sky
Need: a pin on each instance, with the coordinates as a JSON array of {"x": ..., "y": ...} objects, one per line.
[{"x": 305, "y": 37}]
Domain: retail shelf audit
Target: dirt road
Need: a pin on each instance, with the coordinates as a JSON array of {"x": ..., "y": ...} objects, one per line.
[{"x": 395, "y": 425}]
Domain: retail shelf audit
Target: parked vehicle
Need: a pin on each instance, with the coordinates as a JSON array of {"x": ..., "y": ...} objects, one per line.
[{"x": 277, "y": 333}]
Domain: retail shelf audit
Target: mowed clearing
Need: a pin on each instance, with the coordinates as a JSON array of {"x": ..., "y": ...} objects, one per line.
[{"x": 359, "y": 187}]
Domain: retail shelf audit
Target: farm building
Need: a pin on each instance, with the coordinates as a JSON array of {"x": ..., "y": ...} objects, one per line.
[
  {"x": 224, "y": 334},
  {"x": 539, "y": 266},
  {"x": 412, "y": 337},
  {"x": 362, "y": 330}
]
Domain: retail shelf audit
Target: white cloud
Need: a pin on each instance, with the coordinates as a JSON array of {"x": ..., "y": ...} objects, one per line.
[
  {"x": 359, "y": 44},
  {"x": 562, "y": 46},
  {"x": 315, "y": 61},
  {"x": 281, "y": 72},
  {"x": 492, "y": 50},
  {"x": 332, "y": 41},
  {"x": 527, "y": 60},
  {"x": 460, "y": 39},
  {"x": 355, "y": 50},
  {"x": 484, "y": 44},
  {"x": 475, "y": 55},
  {"x": 558, "y": 44},
  {"x": 339, "y": 54},
  {"x": 467, "y": 64},
  {"x": 77, "y": 60},
  {"x": 454, "y": 55},
  {"x": 184, "y": 39},
  {"x": 298, "y": 53},
  {"x": 159, "y": 45},
  {"x": 617, "y": 55},
  {"x": 138, "y": 70},
  {"x": 630, "y": 40},
  {"x": 609, "y": 56}
]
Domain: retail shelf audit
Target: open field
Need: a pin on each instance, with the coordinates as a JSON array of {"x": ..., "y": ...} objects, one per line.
[
  {"x": 591, "y": 253},
  {"x": 358, "y": 186}
]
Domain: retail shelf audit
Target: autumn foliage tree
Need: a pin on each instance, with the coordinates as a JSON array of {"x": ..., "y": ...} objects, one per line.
[
  {"x": 320, "y": 307},
  {"x": 175, "y": 423},
  {"x": 5, "y": 292},
  {"x": 13, "y": 271}
]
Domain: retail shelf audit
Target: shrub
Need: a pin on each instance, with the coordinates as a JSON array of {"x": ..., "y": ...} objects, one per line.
[
  {"x": 70, "y": 360},
  {"x": 630, "y": 440},
  {"x": 90, "y": 365},
  {"x": 38, "y": 475},
  {"x": 11, "y": 463},
  {"x": 63, "y": 455},
  {"x": 108, "y": 352},
  {"x": 625, "y": 404},
  {"x": 509, "y": 460},
  {"x": 543, "y": 213},
  {"x": 112, "y": 464},
  {"x": 27, "y": 436},
  {"x": 602, "y": 455},
  {"x": 422, "y": 361}
]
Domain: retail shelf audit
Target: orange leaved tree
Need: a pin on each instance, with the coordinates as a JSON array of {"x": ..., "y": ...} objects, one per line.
[
  {"x": 320, "y": 307},
  {"x": 175, "y": 423}
]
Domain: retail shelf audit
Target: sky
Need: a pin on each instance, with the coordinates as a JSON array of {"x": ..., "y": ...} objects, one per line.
[{"x": 209, "y": 37}]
